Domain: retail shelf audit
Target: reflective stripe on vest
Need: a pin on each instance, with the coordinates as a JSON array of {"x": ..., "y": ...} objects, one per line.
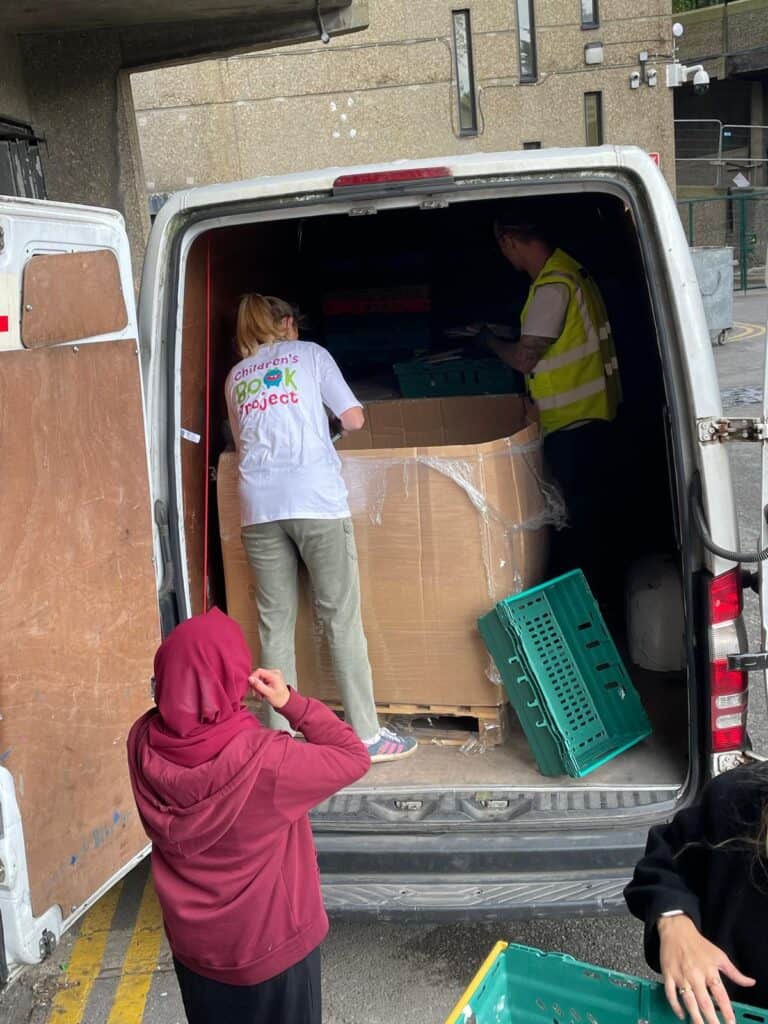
[
  {"x": 595, "y": 387},
  {"x": 572, "y": 355}
]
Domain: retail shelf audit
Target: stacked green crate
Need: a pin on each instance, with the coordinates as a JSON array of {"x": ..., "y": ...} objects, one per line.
[
  {"x": 424, "y": 379},
  {"x": 564, "y": 677}
]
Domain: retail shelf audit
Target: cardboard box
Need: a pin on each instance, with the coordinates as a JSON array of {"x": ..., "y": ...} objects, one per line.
[{"x": 439, "y": 490}]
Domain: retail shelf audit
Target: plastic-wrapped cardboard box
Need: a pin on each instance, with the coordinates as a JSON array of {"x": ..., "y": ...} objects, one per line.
[{"x": 450, "y": 515}]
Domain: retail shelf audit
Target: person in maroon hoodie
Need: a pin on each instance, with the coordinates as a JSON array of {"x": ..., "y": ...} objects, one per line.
[{"x": 224, "y": 801}]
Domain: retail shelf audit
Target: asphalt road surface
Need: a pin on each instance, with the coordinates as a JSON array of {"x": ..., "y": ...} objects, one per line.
[{"x": 117, "y": 965}]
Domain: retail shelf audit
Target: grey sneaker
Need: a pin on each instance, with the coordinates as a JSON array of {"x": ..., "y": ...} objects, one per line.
[{"x": 390, "y": 746}]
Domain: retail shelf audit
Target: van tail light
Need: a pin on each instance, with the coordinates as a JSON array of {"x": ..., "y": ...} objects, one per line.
[
  {"x": 405, "y": 176},
  {"x": 728, "y": 687},
  {"x": 726, "y": 598}
]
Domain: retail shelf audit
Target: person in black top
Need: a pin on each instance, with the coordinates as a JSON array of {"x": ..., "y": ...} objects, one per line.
[{"x": 702, "y": 891}]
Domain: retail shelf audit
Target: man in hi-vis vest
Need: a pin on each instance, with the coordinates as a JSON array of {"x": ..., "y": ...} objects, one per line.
[{"x": 567, "y": 354}]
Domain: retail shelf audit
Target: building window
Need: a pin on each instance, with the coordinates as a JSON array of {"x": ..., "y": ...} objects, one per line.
[
  {"x": 465, "y": 75},
  {"x": 593, "y": 117},
  {"x": 590, "y": 15},
  {"x": 531, "y": 145},
  {"x": 526, "y": 30}
]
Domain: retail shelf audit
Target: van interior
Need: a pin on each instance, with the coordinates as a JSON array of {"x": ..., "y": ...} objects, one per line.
[{"x": 450, "y": 255}]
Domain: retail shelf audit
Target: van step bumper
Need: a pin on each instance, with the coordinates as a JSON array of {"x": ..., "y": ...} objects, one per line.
[{"x": 434, "y": 901}]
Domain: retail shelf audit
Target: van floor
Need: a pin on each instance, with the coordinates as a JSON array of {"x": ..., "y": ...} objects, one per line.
[{"x": 659, "y": 763}]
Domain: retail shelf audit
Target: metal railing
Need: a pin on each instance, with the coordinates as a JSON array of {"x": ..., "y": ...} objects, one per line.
[
  {"x": 710, "y": 154},
  {"x": 740, "y": 221}
]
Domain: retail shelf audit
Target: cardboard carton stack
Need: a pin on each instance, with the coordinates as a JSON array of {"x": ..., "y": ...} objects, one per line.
[{"x": 439, "y": 490}]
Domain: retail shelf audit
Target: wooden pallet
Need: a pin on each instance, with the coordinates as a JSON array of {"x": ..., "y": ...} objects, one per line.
[{"x": 440, "y": 723}]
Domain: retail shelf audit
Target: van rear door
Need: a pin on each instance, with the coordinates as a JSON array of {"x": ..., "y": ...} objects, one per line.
[{"x": 78, "y": 598}]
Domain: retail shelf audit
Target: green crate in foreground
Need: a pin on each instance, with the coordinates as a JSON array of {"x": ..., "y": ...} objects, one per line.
[
  {"x": 564, "y": 676},
  {"x": 519, "y": 985}
]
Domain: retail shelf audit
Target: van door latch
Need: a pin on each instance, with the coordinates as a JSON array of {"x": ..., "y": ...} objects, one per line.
[
  {"x": 751, "y": 661},
  {"x": 732, "y": 429}
]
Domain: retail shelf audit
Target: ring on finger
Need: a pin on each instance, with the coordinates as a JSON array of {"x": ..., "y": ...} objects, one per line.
[{"x": 684, "y": 989}]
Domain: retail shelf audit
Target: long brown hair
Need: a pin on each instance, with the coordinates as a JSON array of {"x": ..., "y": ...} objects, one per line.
[{"x": 256, "y": 324}]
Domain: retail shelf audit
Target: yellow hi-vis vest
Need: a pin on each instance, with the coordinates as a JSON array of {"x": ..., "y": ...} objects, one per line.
[{"x": 578, "y": 379}]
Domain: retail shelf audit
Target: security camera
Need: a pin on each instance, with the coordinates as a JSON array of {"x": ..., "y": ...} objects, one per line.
[{"x": 701, "y": 82}]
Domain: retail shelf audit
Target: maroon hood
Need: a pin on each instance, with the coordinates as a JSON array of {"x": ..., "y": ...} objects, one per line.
[{"x": 194, "y": 759}]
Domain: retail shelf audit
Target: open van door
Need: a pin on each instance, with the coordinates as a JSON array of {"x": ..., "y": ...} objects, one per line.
[
  {"x": 78, "y": 598},
  {"x": 763, "y": 566}
]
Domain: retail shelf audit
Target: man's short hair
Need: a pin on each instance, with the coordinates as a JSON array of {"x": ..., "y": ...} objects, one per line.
[
  {"x": 525, "y": 231},
  {"x": 280, "y": 308}
]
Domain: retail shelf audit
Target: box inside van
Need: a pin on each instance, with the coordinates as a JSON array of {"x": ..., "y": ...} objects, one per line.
[{"x": 382, "y": 290}]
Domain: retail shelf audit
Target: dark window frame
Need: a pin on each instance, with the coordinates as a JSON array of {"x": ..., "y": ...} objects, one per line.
[
  {"x": 527, "y": 76},
  {"x": 599, "y": 118},
  {"x": 463, "y": 12},
  {"x": 532, "y": 145},
  {"x": 595, "y": 22}
]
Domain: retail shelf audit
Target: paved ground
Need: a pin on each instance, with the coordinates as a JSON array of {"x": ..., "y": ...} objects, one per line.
[{"x": 117, "y": 966}]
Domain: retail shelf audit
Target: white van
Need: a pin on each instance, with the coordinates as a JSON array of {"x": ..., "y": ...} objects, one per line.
[{"x": 109, "y": 534}]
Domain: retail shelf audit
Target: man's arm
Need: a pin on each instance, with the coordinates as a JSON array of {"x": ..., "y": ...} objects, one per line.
[{"x": 523, "y": 355}]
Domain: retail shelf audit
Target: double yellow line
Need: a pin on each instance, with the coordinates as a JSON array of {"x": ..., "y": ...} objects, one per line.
[
  {"x": 85, "y": 963},
  {"x": 744, "y": 332}
]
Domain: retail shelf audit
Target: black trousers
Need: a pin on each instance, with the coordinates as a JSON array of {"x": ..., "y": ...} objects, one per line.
[
  {"x": 292, "y": 997},
  {"x": 583, "y": 464}
]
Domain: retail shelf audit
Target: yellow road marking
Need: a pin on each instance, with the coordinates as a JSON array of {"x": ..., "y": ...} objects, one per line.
[
  {"x": 741, "y": 332},
  {"x": 140, "y": 961},
  {"x": 69, "y": 1003}
]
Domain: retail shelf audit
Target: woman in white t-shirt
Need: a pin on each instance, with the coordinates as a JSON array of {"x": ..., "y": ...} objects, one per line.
[{"x": 293, "y": 504}]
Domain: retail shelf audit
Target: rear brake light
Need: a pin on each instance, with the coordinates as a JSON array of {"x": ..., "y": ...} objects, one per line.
[
  {"x": 725, "y": 597},
  {"x": 728, "y": 712},
  {"x": 401, "y": 177},
  {"x": 728, "y": 687}
]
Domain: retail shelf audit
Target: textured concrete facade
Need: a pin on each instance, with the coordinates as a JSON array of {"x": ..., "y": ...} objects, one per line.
[
  {"x": 390, "y": 92},
  {"x": 64, "y": 69},
  {"x": 738, "y": 29},
  {"x": 13, "y": 93}
]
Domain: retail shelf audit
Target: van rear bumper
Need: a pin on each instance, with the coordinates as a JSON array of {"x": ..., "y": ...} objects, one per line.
[
  {"x": 478, "y": 877},
  {"x": 431, "y": 901}
]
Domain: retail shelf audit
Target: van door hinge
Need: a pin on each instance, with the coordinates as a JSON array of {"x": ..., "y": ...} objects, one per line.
[
  {"x": 732, "y": 429},
  {"x": 751, "y": 661}
]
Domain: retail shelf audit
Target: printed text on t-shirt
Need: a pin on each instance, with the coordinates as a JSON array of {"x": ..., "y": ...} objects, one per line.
[{"x": 275, "y": 387}]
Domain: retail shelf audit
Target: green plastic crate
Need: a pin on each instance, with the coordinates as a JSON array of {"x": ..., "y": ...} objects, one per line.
[
  {"x": 519, "y": 985},
  {"x": 421, "y": 379},
  {"x": 542, "y": 738},
  {"x": 563, "y": 674}
]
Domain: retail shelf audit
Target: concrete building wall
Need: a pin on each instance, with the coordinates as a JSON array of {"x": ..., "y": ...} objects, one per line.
[
  {"x": 738, "y": 29},
  {"x": 72, "y": 84},
  {"x": 390, "y": 93},
  {"x": 83, "y": 104},
  {"x": 13, "y": 93}
]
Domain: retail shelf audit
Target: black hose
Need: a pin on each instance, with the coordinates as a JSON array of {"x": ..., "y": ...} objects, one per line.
[{"x": 697, "y": 514}]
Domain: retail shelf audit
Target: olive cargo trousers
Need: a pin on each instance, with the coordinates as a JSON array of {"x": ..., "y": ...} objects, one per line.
[{"x": 327, "y": 549}]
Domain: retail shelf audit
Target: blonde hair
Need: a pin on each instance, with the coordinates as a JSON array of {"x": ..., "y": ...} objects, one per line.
[{"x": 257, "y": 324}]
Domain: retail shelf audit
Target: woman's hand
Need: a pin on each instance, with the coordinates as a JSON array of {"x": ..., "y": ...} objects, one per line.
[
  {"x": 691, "y": 967},
  {"x": 270, "y": 684}
]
